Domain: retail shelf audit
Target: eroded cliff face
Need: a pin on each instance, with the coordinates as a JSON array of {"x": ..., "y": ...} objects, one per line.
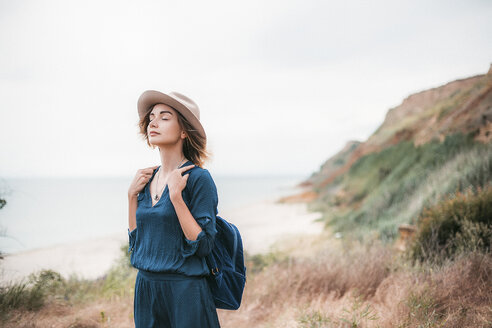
[
  {"x": 335, "y": 163},
  {"x": 463, "y": 105},
  {"x": 460, "y": 106}
]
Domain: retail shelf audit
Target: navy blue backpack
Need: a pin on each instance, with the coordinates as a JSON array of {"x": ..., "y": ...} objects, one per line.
[{"x": 226, "y": 263}]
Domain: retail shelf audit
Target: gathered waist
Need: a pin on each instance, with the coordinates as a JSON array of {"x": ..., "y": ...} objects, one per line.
[{"x": 166, "y": 275}]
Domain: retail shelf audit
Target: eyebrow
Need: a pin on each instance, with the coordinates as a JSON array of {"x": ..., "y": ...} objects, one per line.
[{"x": 162, "y": 112}]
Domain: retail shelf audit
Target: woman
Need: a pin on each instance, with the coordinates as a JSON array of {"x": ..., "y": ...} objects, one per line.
[{"x": 172, "y": 217}]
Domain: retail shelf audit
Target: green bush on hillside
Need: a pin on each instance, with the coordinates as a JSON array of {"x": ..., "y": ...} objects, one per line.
[
  {"x": 29, "y": 295},
  {"x": 46, "y": 286},
  {"x": 459, "y": 223},
  {"x": 257, "y": 262},
  {"x": 391, "y": 187}
]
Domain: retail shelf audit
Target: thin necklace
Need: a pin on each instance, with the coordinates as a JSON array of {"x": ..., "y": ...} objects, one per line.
[{"x": 157, "y": 195}]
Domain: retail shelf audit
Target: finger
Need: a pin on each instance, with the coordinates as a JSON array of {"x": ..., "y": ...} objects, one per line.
[
  {"x": 184, "y": 168},
  {"x": 147, "y": 173},
  {"x": 142, "y": 180},
  {"x": 147, "y": 170}
]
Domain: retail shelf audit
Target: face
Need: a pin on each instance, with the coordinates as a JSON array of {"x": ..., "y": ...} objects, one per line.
[{"x": 164, "y": 128}]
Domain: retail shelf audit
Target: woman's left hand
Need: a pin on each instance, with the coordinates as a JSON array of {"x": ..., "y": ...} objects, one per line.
[{"x": 176, "y": 182}]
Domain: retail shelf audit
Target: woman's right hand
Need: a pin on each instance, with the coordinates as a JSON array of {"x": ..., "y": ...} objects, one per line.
[{"x": 140, "y": 180}]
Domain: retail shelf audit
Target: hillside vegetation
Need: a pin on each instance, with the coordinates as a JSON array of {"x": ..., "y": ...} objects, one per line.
[{"x": 436, "y": 143}]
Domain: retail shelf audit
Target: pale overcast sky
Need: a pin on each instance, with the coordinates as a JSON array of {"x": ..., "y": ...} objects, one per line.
[{"x": 282, "y": 85}]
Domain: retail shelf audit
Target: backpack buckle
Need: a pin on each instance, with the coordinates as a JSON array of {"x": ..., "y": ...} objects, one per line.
[{"x": 216, "y": 270}]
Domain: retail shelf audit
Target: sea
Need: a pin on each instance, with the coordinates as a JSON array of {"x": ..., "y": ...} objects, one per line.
[{"x": 42, "y": 212}]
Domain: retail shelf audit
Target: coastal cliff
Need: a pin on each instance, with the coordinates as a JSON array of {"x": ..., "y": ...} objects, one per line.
[{"x": 415, "y": 157}]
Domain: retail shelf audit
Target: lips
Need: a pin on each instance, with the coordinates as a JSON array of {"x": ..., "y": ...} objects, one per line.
[{"x": 153, "y": 133}]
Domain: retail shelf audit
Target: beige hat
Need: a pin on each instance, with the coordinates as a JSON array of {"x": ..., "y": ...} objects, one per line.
[{"x": 187, "y": 107}]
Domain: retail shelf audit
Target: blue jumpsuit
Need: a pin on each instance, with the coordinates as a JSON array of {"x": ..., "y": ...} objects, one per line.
[{"x": 171, "y": 289}]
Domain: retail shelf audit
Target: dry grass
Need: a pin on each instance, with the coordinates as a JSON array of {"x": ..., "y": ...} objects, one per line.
[
  {"x": 367, "y": 286},
  {"x": 102, "y": 313},
  {"x": 459, "y": 294},
  {"x": 345, "y": 284}
]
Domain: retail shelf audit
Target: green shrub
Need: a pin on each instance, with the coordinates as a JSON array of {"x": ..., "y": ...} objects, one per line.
[
  {"x": 314, "y": 319},
  {"x": 459, "y": 223},
  {"x": 48, "y": 285},
  {"x": 257, "y": 262},
  {"x": 29, "y": 294}
]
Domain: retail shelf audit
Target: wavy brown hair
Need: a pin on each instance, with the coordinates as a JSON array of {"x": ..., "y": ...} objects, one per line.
[{"x": 194, "y": 145}]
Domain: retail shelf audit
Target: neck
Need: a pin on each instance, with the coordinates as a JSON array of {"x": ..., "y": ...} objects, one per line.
[{"x": 171, "y": 158}]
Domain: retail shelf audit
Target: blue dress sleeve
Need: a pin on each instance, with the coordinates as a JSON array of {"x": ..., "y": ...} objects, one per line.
[
  {"x": 131, "y": 239},
  {"x": 203, "y": 207}
]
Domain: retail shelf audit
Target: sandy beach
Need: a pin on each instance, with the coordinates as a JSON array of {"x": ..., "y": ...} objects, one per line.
[{"x": 262, "y": 224}]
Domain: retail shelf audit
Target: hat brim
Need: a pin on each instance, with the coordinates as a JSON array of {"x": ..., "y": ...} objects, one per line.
[{"x": 152, "y": 97}]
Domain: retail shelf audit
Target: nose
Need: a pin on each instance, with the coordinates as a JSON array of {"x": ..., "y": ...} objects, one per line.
[{"x": 152, "y": 123}]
